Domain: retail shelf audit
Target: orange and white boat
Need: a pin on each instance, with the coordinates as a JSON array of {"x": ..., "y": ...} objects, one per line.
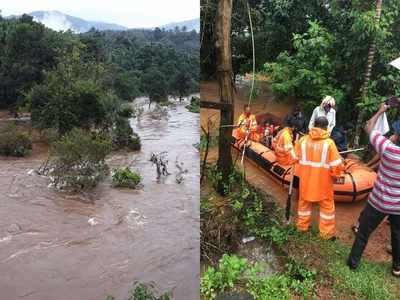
[{"x": 356, "y": 183}]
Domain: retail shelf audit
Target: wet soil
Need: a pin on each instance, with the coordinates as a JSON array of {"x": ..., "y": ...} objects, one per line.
[
  {"x": 87, "y": 246},
  {"x": 346, "y": 213}
]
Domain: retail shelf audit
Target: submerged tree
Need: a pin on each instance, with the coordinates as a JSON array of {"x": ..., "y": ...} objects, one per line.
[{"x": 71, "y": 95}]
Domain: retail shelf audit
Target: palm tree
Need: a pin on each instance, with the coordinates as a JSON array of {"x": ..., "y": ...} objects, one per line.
[{"x": 364, "y": 87}]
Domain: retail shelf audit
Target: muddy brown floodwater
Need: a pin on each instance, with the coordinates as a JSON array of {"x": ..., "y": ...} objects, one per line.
[
  {"x": 346, "y": 213},
  {"x": 58, "y": 246}
]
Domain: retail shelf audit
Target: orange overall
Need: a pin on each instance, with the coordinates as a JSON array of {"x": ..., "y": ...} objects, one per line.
[
  {"x": 319, "y": 161},
  {"x": 283, "y": 146},
  {"x": 247, "y": 125}
]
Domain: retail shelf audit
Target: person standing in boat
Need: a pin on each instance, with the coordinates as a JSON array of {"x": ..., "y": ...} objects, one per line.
[
  {"x": 282, "y": 144},
  {"x": 247, "y": 126},
  {"x": 298, "y": 119},
  {"x": 318, "y": 163},
  {"x": 326, "y": 109}
]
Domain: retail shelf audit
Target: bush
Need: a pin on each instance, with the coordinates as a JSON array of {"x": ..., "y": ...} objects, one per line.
[
  {"x": 142, "y": 291},
  {"x": 126, "y": 178},
  {"x": 194, "y": 105},
  {"x": 77, "y": 160},
  {"x": 49, "y": 136},
  {"x": 126, "y": 111},
  {"x": 14, "y": 143},
  {"x": 124, "y": 137}
]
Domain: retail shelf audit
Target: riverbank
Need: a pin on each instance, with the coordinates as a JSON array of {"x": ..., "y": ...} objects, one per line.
[{"x": 303, "y": 265}]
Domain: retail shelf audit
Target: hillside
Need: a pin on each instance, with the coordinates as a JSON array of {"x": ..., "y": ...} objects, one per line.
[
  {"x": 59, "y": 21},
  {"x": 189, "y": 24}
]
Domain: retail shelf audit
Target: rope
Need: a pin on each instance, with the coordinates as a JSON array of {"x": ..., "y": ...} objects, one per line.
[
  {"x": 252, "y": 85},
  {"x": 254, "y": 52},
  {"x": 252, "y": 82}
]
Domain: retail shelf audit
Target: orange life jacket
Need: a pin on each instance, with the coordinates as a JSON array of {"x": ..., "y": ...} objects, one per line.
[
  {"x": 319, "y": 161},
  {"x": 283, "y": 146},
  {"x": 247, "y": 122}
]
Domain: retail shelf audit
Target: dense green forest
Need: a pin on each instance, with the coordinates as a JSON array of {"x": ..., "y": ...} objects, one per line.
[
  {"x": 68, "y": 80},
  {"x": 312, "y": 48}
]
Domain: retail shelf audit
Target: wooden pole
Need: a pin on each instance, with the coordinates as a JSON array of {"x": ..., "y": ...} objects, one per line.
[{"x": 224, "y": 73}]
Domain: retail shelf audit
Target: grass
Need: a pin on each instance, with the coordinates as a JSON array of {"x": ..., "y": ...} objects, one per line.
[{"x": 313, "y": 268}]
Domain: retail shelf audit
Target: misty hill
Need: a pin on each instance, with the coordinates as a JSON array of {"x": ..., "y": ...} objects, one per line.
[
  {"x": 59, "y": 21},
  {"x": 189, "y": 24}
]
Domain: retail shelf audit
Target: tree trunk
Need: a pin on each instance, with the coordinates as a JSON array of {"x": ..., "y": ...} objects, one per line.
[
  {"x": 224, "y": 71},
  {"x": 364, "y": 87}
]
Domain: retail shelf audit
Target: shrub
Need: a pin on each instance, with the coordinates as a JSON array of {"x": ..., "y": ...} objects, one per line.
[
  {"x": 14, "y": 143},
  {"x": 126, "y": 178},
  {"x": 146, "y": 292},
  {"x": 142, "y": 291},
  {"x": 49, "y": 136},
  {"x": 124, "y": 137},
  {"x": 194, "y": 105},
  {"x": 78, "y": 160},
  {"x": 126, "y": 111}
]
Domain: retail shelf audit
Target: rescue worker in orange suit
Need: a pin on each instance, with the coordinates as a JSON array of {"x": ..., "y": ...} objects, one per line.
[
  {"x": 247, "y": 126},
  {"x": 318, "y": 165},
  {"x": 283, "y": 144}
]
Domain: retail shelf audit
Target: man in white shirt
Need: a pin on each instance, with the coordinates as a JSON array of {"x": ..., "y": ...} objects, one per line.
[{"x": 326, "y": 109}]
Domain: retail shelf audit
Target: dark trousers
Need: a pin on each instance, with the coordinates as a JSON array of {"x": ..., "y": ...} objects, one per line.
[{"x": 370, "y": 218}]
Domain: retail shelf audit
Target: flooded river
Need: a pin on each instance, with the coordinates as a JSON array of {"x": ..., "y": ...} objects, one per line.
[{"x": 58, "y": 246}]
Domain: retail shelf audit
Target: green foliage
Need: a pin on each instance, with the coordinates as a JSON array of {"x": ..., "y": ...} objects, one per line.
[
  {"x": 230, "y": 270},
  {"x": 314, "y": 48},
  {"x": 142, "y": 291},
  {"x": 26, "y": 49},
  {"x": 124, "y": 177},
  {"x": 71, "y": 80},
  {"x": 370, "y": 281},
  {"x": 275, "y": 287},
  {"x": 127, "y": 85},
  {"x": 308, "y": 74},
  {"x": 124, "y": 137},
  {"x": 194, "y": 105},
  {"x": 77, "y": 160},
  {"x": 146, "y": 292},
  {"x": 13, "y": 142},
  {"x": 182, "y": 84},
  {"x": 126, "y": 111},
  {"x": 234, "y": 272},
  {"x": 155, "y": 85},
  {"x": 71, "y": 95}
]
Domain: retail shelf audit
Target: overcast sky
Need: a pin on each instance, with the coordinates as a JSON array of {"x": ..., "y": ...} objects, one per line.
[{"x": 129, "y": 13}]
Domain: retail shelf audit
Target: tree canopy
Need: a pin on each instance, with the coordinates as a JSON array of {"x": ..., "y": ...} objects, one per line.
[
  {"x": 312, "y": 48},
  {"x": 72, "y": 80}
]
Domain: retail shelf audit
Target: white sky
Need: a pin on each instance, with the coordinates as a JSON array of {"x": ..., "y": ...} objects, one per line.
[{"x": 129, "y": 13}]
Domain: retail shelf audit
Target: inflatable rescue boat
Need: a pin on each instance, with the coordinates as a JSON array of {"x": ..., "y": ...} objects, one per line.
[{"x": 356, "y": 183}]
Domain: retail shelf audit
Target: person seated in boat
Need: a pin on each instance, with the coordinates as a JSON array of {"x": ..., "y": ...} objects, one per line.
[
  {"x": 282, "y": 144},
  {"x": 298, "y": 118},
  {"x": 339, "y": 136},
  {"x": 267, "y": 131},
  {"x": 326, "y": 109},
  {"x": 247, "y": 126}
]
